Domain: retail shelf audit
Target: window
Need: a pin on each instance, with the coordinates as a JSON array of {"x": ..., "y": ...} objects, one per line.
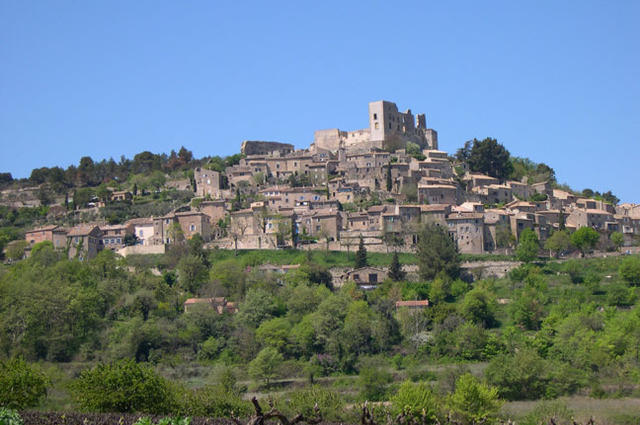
[
  {"x": 376, "y": 126},
  {"x": 119, "y": 240},
  {"x": 192, "y": 227},
  {"x": 375, "y": 116}
]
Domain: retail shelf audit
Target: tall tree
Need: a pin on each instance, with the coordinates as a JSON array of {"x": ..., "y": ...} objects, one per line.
[
  {"x": 490, "y": 157},
  {"x": 585, "y": 238},
  {"x": 361, "y": 255},
  {"x": 528, "y": 246},
  {"x": 395, "y": 270},
  {"x": 436, "y": 252}
]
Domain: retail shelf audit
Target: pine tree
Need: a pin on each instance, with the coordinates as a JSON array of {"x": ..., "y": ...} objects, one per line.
[
  {"x": 361, "y": 255},
  {"x": 395, "y": 270},
  {"x": 389, "y": 181}
]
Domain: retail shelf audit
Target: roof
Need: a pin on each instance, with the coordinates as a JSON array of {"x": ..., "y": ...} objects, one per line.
[
  {"x": 216, "y": 300},
  {"x": 141, "y": 221},
  {"x": 43, "y": 229},
  {"x": 81, "y": 230},
  {"x": 416, "y": 303},
  {"x": 434, "y": 207},
  {"x": 464, "y": 216}
]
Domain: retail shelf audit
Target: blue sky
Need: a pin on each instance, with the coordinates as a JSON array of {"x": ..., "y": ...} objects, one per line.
[{"x": 557, "y": 82}]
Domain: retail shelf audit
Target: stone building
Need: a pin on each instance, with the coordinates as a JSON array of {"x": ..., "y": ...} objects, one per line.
[
  {"x": 389, "y": 129},
  {"x": 55, "y": 234},
  {"x": 467, "y": 230},
  {"x": 84, "y": 241},
  {"x": 207, "y": 183}
]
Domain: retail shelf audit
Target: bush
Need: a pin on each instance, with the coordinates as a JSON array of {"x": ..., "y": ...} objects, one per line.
[
  {"x": 629, "y": 270},
  {"x": 416, "y": 400},
  {"x": 21, "y": 385},
  {"x": 123, "y": 386},
  {"x": 211, "y": 401},
  {"x": 10, "y": 417},
  {"x": 330, "y": 404},
  {"x": 473, "y": 402},
  {"x": 373, "y": 383}
]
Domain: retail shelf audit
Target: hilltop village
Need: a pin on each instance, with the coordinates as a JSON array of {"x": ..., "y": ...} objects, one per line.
[{"x": 378, "y": 184}]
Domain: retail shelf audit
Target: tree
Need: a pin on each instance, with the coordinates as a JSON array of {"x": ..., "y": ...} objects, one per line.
[
  {"x": 436, "y": 252},
  {"x": 585, "y": 238},
  {"x": 389, "y": 179},
  {"x": 528, "y": 246},
  {"x": 265, "y": 366},
  {"x": 395, "y": 270},
  {"x": 21, "y": 385},
  {"x": 416, "y": 400},
  {"x": 479, "y": 306},
  {"x": 473, "y": 402},
  {"x": 504, "y": 236},
  {"x": 361, "y": 255},
  {"x": 558, "y": 242},
  {"x": 618, "y": 239},
  {"x": 122, "y": 386},
  {"x": 490, "y": 157},
  {"x": 191, "y": 272},
  {"x": 629, "y": 270}
]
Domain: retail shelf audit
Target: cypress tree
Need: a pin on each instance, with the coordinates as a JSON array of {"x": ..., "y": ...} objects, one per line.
[
  {"x": 361, "y": 255},
  {"x": 395, "y": 270}
]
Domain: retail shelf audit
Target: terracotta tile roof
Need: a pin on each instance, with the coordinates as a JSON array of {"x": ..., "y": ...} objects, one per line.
[
  {"x": 422, "y": 303},
  {"x": 81, "y": 230}
]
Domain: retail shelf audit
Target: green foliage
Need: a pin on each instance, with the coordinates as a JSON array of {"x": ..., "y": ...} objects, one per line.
[
  {"x": 21, "y": 385},
  {"x": 558, "y": 242},
  {"x": 416, "y": 400},
  {"x": 528, "y": 246},
  {"x": 479, "y": 306},
  {"x": 395, "y": 269},
  {"x": 585, "y": 238},
  {"x": 361, "y": 255},
  {"x": 122, "y": 386},
  {"x": 473, "y": 402},
  {"x": 373, "y": 382},
  {"x": 330, "y": 404},
  {"x": 436, "y": 253},
  {"x": 527, "y": 376},
  {"x": 265, "y": 366},
  {"x": 629, "y": 270},
  {"x": 212, "y": 401},
  {"x": 10, "y": 417},
  {"x": 491, "y": 158},
  {"x": 617, "y": 239}
]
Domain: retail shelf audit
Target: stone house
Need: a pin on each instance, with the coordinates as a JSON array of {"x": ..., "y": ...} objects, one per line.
[
  {"x": 143, "y": 229},
  {"x": 208, "y": 183},
  {"x": 437, "y": 194},
  {"x": 596, "y": 219},
  {"x": 320, "y": 224},
  {"x": 477, "y": 180},
  {"x": 494, "y": 193},
  {"x": 215, "y": 210},
  {"x": 467, "y": 230},
  {"x": 366, "y": 276},
  {"x": 55, "y": 234},
  {"x": 113, "y": 236},
  {"x": 436, "y": 213},
  {"x": 84, "y": 241},
  {"x": 357, "y": 221},
  {"x": 121, "y": 196}
]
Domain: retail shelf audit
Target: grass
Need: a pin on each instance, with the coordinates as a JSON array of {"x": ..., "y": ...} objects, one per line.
[{"x": 618, "y": 411}]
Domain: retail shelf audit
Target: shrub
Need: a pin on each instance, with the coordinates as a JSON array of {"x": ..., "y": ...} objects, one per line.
[
  {"x": 21, "y": 385},
  {"x": 211, "y": 401},
  {"x": 10, "y": 417},
  {"x": 629, "y": 270},
  {"x": 330, "y": 404},
  {"x": 373, "y": 383},
  {"x": 473, "y": 402},
  {"x": 123, "y": 386},
  {"x": 416, "y": 400}
]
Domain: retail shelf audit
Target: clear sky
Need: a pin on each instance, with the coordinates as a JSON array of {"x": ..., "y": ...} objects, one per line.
[{"x": 555, "y": 81}]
